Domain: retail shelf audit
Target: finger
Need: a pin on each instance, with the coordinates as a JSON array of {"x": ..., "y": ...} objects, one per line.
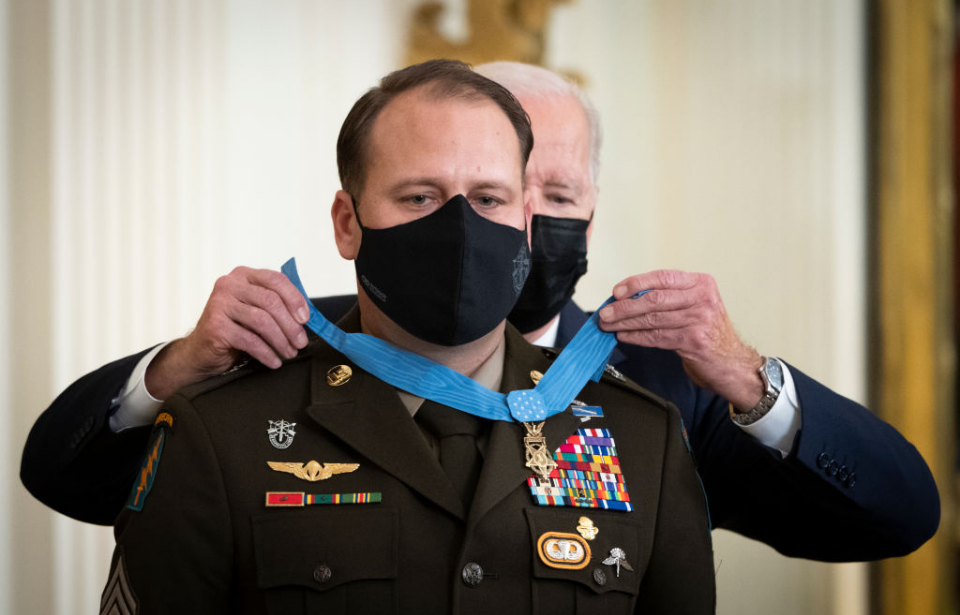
[
  {"x": 262, "y": 324},
  {"x": 652, "y": 320},
  {"x": 271, "y": 303},
  {"x": 667, "y": 339},
  {"x": 660, "y": 279},
  {"x": 292, "y": 298},
  {"x": 251, "y": 343},
  {"x": 244, "y": 286},
  {"x": 651, "y": 302}
]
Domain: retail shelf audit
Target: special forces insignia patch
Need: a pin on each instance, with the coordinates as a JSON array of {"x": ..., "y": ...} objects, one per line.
[
  {"x": 148, "y": 472},
  {"x": 281, "y": 433},
  {"x": 587, "y": 474}
]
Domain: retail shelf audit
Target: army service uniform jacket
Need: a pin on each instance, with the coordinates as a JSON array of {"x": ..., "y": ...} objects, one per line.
[{"x": 205, "y": 541}]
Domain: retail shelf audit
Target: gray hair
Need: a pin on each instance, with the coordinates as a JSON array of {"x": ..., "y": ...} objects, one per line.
[{"x": 528, "y": 81}]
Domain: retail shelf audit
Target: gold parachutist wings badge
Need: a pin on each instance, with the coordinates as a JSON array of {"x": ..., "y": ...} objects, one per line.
[{"x": 312, "y": 471}]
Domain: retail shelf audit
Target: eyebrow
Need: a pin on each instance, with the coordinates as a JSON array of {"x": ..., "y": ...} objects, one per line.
[
  {"x": 564, "y": 184},
  {"x": 434, "y": 182}
]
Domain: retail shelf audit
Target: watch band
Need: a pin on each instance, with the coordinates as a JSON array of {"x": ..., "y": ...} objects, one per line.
[
  {"x": 753, "y": 414},
  {"x": 773, "y": 384}
]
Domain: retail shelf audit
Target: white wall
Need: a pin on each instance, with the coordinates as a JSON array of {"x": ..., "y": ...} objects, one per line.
[
  {"x": 8, "y": 440},
  {"x": 735, "y": 146},
  {"x": 190, "y": 136}
]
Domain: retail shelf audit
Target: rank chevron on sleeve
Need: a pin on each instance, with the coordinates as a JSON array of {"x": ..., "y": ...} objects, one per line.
[{"x": 581, "y": 361}]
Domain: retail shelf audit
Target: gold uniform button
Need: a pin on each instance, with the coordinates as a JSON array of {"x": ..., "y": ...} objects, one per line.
[
  {"x": 535, "y": 376},
  {"x": 339, "y": 375}
]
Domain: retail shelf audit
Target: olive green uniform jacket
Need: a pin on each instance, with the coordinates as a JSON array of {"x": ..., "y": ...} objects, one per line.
[{"x": 205, "y": 542}]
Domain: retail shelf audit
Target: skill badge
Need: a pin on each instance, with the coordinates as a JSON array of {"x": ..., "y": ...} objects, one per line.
[
  {"x": 313, "y": 471},
  {"x": 562, "y": 550}
]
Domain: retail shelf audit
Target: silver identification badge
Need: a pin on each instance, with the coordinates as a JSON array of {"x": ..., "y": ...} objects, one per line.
[{"x": 281, "y": 433}]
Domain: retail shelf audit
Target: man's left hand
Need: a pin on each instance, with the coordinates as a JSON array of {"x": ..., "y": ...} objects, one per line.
[{"x": 684, "y": 312}]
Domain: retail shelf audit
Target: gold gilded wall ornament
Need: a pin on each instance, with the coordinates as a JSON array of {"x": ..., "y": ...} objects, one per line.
[
  {"x": 512, "y": 30},
  {"x": 313, "y": 471}
]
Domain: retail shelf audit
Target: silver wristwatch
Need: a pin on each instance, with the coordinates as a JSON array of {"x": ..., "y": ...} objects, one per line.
[{"x": 771, "y": 372}]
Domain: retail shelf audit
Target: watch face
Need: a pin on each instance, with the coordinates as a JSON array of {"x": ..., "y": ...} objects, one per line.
[{"x": 774, "y": 373}]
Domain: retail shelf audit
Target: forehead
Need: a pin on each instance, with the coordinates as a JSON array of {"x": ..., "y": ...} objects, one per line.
[
  {"x": 422, "y": 133},
  {"x": 561, "y": 134}
]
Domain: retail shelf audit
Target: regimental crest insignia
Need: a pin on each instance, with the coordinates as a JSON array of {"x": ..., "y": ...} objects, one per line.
[
  {"x": 281, "y": 433},
  {"x": 148, "y": 472},
  {"x": 587, "y": 474},
  {"x": 521, "y": 268}
]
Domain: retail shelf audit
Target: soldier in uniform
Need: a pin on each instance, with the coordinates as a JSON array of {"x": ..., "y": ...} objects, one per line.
[{"x": 317, "y": 487}]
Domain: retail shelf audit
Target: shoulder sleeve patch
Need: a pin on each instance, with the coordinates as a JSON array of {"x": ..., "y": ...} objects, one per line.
[
  {"x": 148, "y": 471},
  {"x": 164, "y": 418},
  {"x": 118, "y": 597}
]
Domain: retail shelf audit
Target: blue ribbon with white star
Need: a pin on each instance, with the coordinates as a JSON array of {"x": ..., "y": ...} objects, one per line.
[{"x": 581, "y": 361}]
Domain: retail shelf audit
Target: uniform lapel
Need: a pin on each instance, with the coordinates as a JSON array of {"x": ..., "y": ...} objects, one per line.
[
  {"x": 504, "y": 466},
  {"x": 367, "y": 414}
]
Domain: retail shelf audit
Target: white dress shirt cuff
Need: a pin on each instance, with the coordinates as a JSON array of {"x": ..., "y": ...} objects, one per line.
[
  {"x": 136, "y": 407},
  {"x": 779, "y": 426}
]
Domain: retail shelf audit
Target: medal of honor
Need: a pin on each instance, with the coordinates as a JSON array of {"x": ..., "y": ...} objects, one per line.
[{"x": 539, "y": 458}]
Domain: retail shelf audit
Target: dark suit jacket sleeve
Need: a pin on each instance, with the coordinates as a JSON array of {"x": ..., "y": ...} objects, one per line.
[
  {"x": 852, "y": 488},
  {"x": 75, "y": 464},
  {"x": 72, "y": 461},
  {"x": 178, "y": 550}
]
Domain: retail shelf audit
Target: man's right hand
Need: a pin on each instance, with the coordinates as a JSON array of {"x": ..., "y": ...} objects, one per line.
[{"x": 254, "y": 311}]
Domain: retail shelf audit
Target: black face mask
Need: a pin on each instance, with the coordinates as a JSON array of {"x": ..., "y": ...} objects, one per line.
[
  {"x": 559, "y": 258},
  {"x": 448, "y": 278}
]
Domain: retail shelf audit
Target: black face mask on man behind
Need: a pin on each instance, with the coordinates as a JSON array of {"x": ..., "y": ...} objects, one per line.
[
  {"x": 448, "y": 278},
  {"x": 558, "y": 259}
]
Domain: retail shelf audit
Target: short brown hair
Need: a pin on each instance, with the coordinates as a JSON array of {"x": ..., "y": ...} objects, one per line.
[{"x": 447, "y": 79}]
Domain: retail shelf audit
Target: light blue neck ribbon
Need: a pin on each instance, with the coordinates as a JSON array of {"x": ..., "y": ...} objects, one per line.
[{"x": 582, "y": 360}]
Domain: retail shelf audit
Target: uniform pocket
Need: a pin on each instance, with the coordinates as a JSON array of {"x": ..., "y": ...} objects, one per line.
[
  {"x": 341, "y": 560},
  {"x": 561, "y": 580}
]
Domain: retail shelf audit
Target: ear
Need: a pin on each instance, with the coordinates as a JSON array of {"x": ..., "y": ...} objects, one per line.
[
  {"x": 528, "y": 216},
  {"x": 346, "y": 229},
  {"x": 593, "y": 213}
]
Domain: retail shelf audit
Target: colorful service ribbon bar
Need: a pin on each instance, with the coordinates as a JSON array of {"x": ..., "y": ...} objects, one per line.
[
  {"x": 587, "y": 474},
  {"x": 299, "y": 498}
]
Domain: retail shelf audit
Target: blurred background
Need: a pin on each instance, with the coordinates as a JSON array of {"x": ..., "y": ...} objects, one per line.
[{"x": 801, "y": 151}]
